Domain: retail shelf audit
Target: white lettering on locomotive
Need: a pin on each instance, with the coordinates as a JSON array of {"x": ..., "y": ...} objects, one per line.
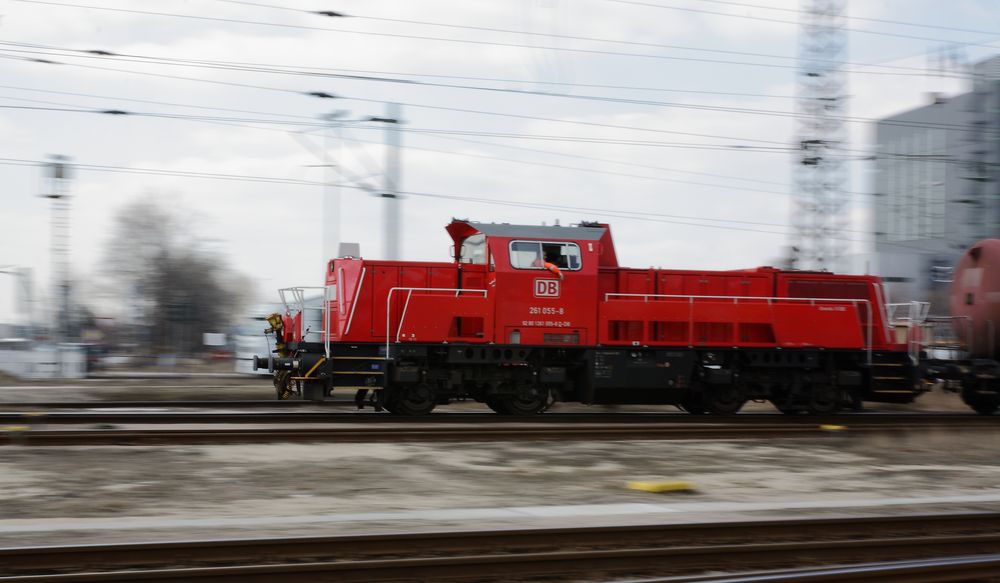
[{"x": 546, "y": 288}]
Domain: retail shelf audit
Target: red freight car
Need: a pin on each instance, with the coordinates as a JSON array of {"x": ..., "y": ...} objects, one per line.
[{"x": 527, "y": 315}]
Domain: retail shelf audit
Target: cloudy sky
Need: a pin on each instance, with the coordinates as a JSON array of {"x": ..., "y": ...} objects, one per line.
[{"x": 669, "y": 119}]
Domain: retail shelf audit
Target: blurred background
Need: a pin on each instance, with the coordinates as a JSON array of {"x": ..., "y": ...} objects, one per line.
[{"x": 167, "y": 167}]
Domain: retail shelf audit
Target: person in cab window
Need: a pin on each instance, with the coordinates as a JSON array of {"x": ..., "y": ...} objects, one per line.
[{"x": 549, "y": 263}]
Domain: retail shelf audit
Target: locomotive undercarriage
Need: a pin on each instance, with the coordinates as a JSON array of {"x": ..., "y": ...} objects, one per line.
[
  {"x": 524, "y": 380},
  {"x": 976, "y": 380}
]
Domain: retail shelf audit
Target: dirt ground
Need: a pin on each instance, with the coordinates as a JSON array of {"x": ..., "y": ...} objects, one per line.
[{"x": 294, "y": 480}]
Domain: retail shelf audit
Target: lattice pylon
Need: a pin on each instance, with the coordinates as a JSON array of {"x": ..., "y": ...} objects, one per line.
[{"x": 819, "y": 203}]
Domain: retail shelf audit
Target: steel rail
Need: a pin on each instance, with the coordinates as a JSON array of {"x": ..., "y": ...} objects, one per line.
[
  {"x": 282, "y": 548},
  {"x": 959, "y": 568},
  {"x": 152, "y": 412},
  {"x": 41, "y": 435},
  {"x": 632, "y": 549},
  {"x": 173, "y": 403}
]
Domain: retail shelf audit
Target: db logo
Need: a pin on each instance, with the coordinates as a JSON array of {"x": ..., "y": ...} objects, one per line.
[{"x": 546, "y": 288}]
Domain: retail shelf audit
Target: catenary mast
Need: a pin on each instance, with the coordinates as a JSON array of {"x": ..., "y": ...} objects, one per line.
[{"x": 820, "y": 173}]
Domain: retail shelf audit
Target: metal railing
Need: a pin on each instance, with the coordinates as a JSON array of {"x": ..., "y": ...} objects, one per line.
[
  {"x": 914, "y": 318},
  {"x": 956, "y": 348},
  {"x": 297, "y": 295},
  {"x": 409, "y": 294},
  {"x": 770, "y": 301}
]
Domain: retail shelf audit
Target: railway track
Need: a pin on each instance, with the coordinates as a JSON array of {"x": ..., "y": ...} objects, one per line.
[
  {"x": 218, "y": 412},
  {"x": 971, "y": 568},
  {"x": 118, "y": 427},
  {"x": 174, "y": 403},
  {"x": 684, "y": 551},
  {"x": 215, "y": 428}
]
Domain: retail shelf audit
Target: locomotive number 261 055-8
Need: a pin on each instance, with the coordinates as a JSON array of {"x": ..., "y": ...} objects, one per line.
[{"x": 534, "y": 310}]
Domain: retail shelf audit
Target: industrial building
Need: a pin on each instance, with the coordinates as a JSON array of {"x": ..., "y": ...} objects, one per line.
[{"x": 937, "y": 186}]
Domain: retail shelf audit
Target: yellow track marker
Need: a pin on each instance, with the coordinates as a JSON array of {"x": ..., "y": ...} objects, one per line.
[
  {"x": 833, "y": 427},
  {"x": 16, "y": 427},
  {"x": 660, "y": 487}
]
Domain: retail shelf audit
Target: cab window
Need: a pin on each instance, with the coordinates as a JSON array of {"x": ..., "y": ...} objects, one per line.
[
  {"x": 535, "y": 254},
  {"x": 474, "y": 250}
]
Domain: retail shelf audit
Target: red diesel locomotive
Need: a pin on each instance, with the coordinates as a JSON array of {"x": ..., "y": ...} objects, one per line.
[{"x": 528, "y": 315}]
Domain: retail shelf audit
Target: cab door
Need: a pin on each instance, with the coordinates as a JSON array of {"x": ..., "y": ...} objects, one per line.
[{"x": 546, "y": 291}]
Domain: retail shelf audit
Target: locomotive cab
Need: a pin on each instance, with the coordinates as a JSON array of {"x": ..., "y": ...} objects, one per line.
[{"x": 543, "y": 279}]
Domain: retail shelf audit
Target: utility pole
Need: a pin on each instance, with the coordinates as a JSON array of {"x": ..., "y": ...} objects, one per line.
[
  {"x": 331, "y": 190},
  {"x": 57, "y": 172},
  {"x": 336, "y": 122},
  {"x": 819, "y": 210},
  {"x": 24, "y": 298},
  {"x": 391, "y": 191}
]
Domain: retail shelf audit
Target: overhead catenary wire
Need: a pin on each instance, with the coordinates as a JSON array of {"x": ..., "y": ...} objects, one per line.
[
  {"x": 303, "y": 182},
  {"x": 453, "y": 138},
  {"x": 417, "y": 130},
  {"x": 414, "y": 105},
  {"x": 702, "y": 107},
  {"x": 795, "y": 23},
  {"x": 918, "y": 73},
  {"x": 450, "y": 152},
  {"x": 846, "y": 17},
  {"x": 402, "y": 77},
  {"x": 728, "y": 187},
  {"x": 508, "y": 135},
  {"x": 613, "y": 213},
  {"x": 546, "y": 34}
]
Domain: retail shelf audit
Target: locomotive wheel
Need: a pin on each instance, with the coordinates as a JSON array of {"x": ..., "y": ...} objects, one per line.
[
  {"x": 412, "y": 400},
  {"x": 724, "y": 399},
  {"x": 982, "y": 404},
  {"x": 285, "y": 386},
  {"x": 824, "y": 400},
  {"x": 528, "y": 401}
]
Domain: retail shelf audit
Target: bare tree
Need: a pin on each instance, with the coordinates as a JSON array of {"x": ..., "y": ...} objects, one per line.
[{"x": 166, "y": 278}]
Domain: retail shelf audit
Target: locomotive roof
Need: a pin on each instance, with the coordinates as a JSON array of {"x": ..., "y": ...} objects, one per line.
[{"x": 578, "y": 233}]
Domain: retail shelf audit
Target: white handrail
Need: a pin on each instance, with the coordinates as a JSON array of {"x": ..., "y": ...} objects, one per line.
[
  {"x": 327, "y": 322},
  {"x": 299, "y": 298},
  {"x": 691, "y": 298},
  {"x": 916, "y": 315},
  {"x": 354, "y": 304},
  {"x": 410, "y": 290}
]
